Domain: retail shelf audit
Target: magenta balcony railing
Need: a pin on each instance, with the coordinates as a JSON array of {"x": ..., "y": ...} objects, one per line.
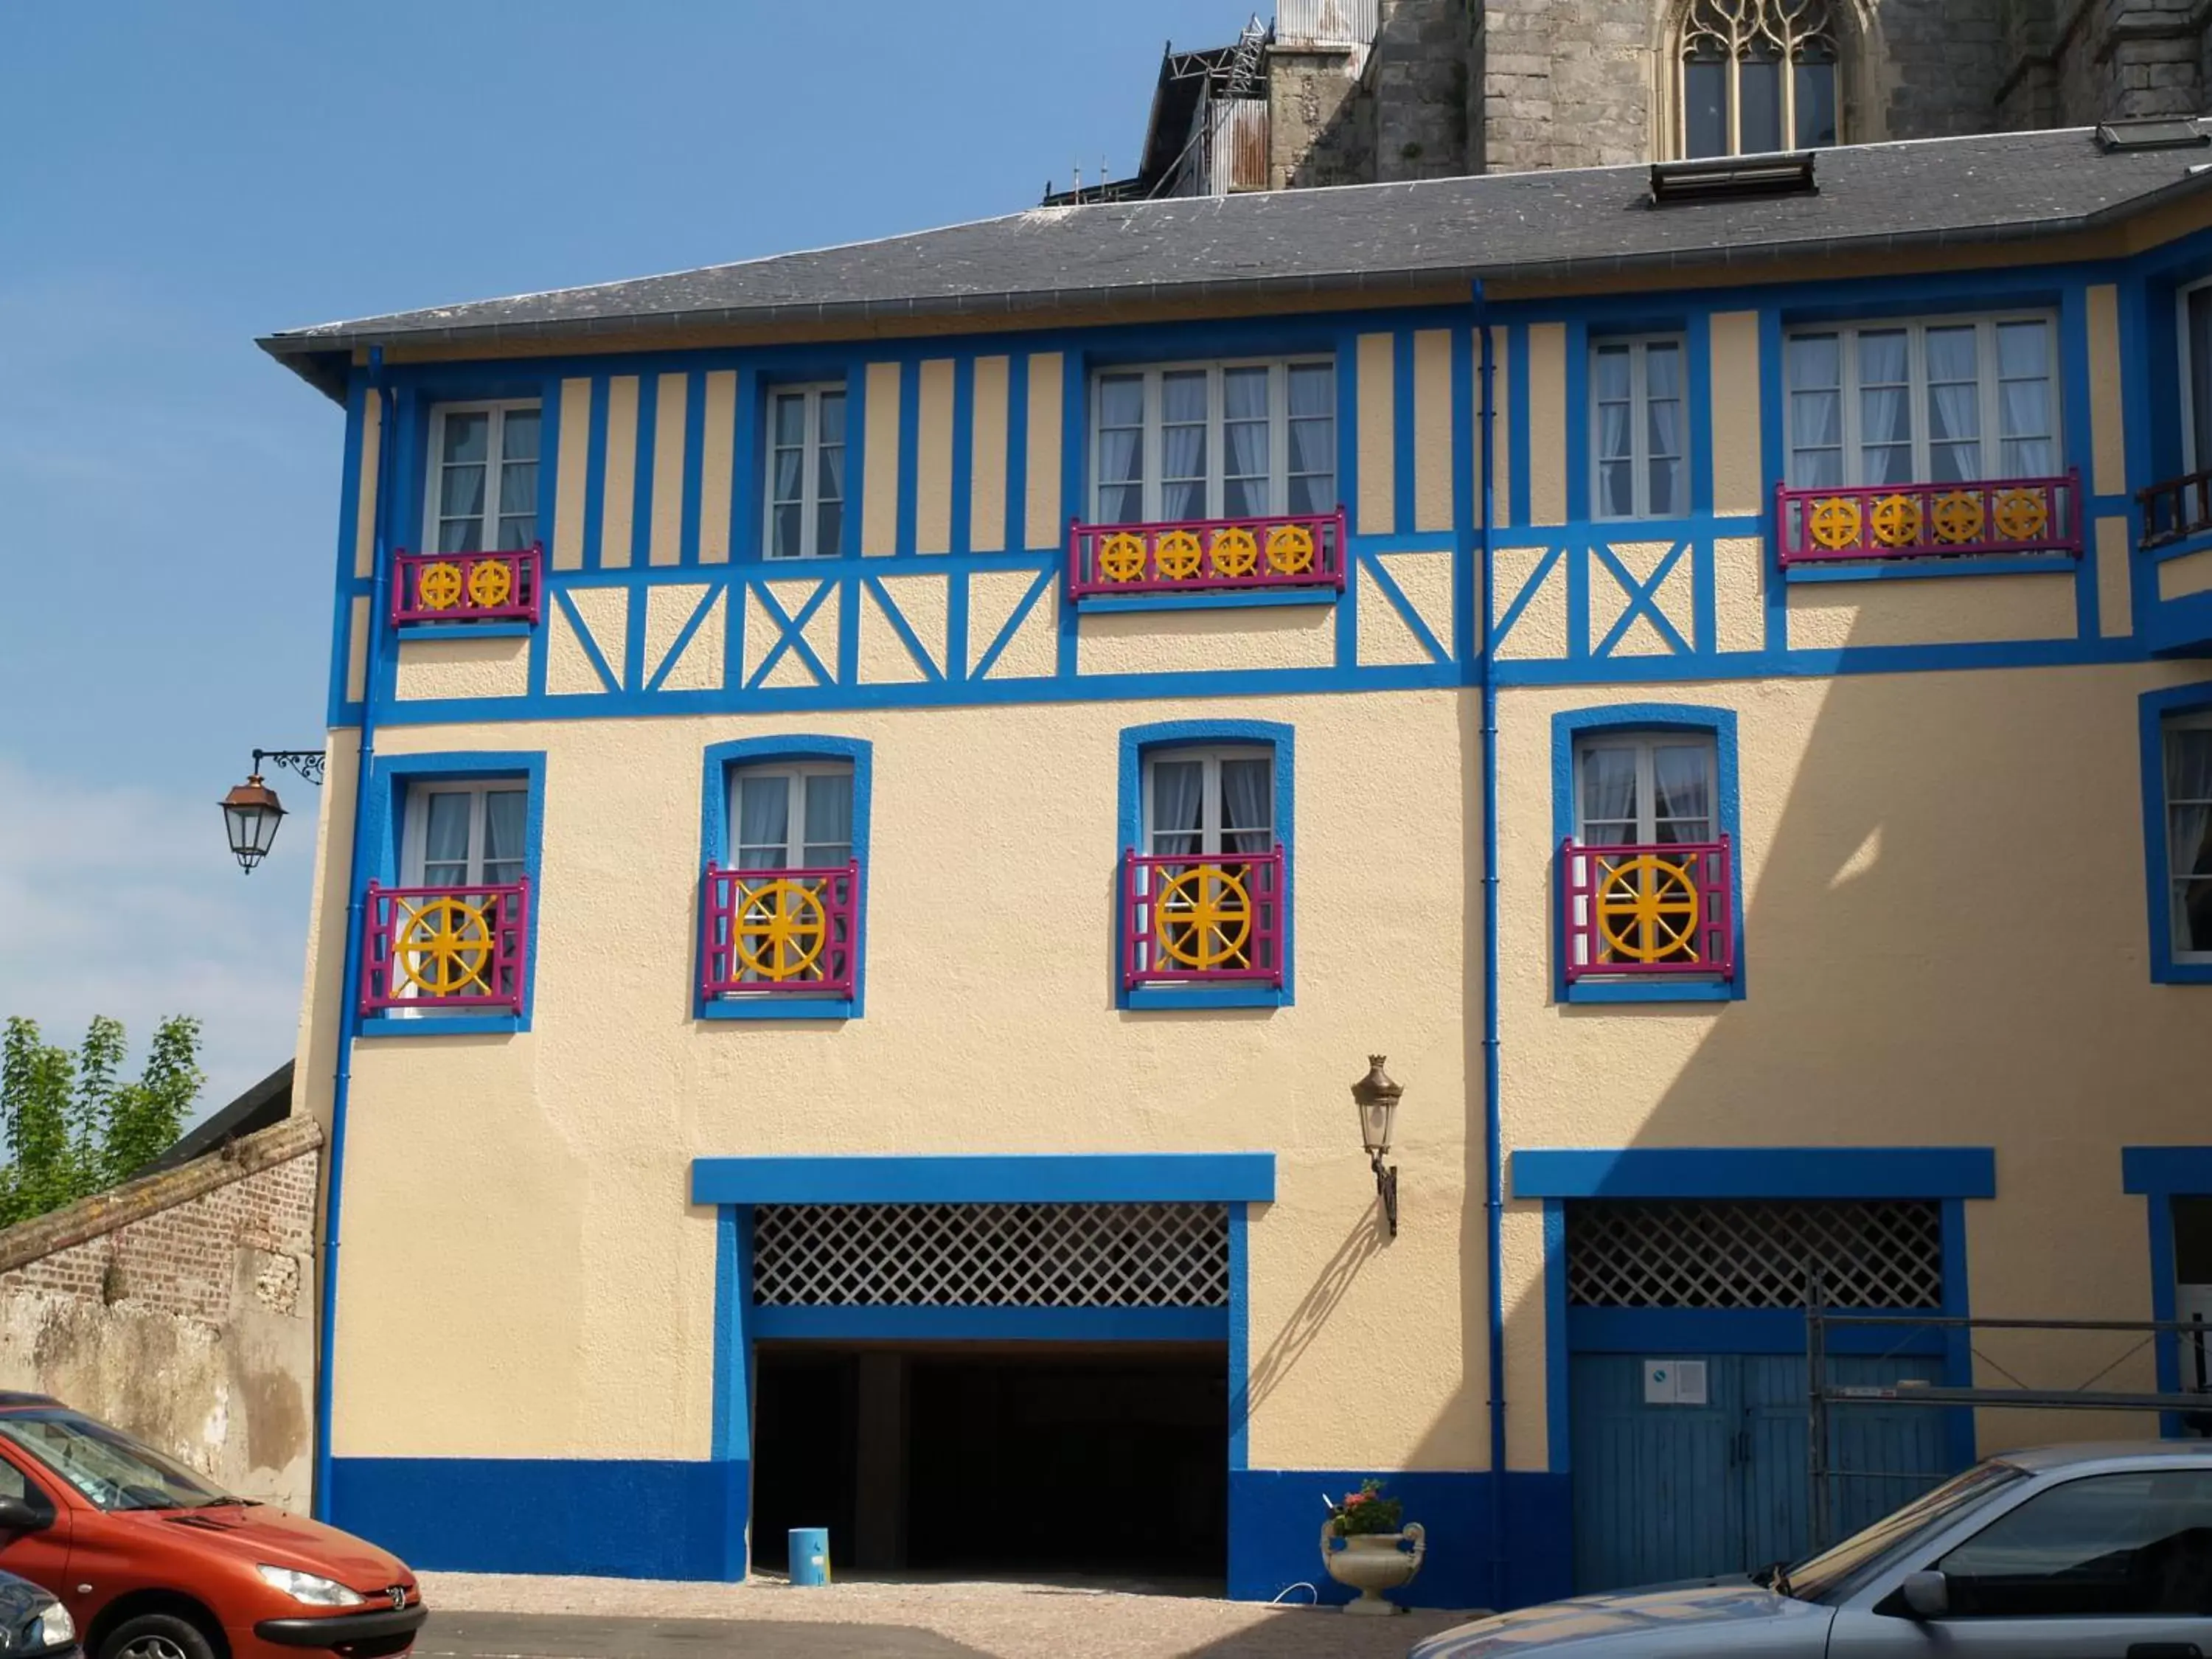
[
  {"x": 445, "y": 947},
  {"x": 1649, "y": 910},
  {"x": 2176, "y": 507},
  {"x": 781, "y": 932},
  {"x": 1930, "y": 521},
  {"x": 1296, "y": 550},
  {"x": 1202, "y": 920},
  {"x": 435, "y": 587}
]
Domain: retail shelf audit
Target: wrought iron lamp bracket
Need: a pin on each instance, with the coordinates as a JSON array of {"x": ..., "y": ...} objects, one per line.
[{"x": 308, "y": 762}]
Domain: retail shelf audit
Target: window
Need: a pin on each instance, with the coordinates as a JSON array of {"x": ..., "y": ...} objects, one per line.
[
  {"x": 2110, "y": 1545},
  {"x": 2195, "y": 306},
  {"x": 794, "y": 816},
  {"x": 1214, "y": 441},
  {"x": 1635, "y": 790},
  {"x": 465, "y": 835},
  {"x": 1644, "y": 815},
  {"x": 1207, "y": 802},
  {"x": 805, "y": 488},
  {"x": 782, "y": 916},
  {"x": 2188, "y": 754},
  {"x": 484, "y": 484},
  {"x": 1758, "y": 75},
  {"x": 1639, "y": 437},
  {"x": 1936, "y": 402}
]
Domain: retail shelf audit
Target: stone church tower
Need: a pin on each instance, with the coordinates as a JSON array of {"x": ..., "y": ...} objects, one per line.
[{"x": 1440, "y": 88}]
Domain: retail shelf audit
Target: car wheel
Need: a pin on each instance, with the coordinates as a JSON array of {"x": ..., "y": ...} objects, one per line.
[{"x": 156, "y": 1636}]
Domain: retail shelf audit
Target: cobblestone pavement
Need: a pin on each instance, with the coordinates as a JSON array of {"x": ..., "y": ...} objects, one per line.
[{"x": 499, "y": 1616}]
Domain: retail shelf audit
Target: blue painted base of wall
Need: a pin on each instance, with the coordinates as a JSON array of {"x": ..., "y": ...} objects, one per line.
[
  {"x": 610, "y": 1519},
  {"x": 1274, "y": 1535}
]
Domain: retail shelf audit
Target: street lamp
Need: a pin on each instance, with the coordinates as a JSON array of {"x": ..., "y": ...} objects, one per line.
[
  {"x": 251, "y": 812},
  {"x": 1376, "y": 1097}
]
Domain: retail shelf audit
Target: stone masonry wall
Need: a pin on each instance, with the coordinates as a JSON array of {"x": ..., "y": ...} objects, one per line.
[{"x": 180, "y": 1307}]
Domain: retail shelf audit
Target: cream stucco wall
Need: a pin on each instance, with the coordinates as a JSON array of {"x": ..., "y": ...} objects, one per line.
[
  {"x": 522, "y": 1272},
  {"x": 1943, "y": 945}
]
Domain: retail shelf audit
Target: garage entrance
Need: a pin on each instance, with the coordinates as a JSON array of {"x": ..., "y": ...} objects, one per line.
[
  {"x": 992, "y": 1387},
  {"x": 1689, "y": 1393},
  {"x": 983, "y": 1458}
]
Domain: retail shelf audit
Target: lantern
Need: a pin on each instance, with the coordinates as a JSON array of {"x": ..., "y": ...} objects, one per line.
[
  {"x": 251, "y": 813},
  {"x": 1376, "y": 1097}
]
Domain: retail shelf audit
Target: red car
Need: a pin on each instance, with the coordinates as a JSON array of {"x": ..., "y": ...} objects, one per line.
[{"x": 155, "y": 1563}]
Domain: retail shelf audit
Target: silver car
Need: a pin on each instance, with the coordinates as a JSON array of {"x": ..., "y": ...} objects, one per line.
[{"x": 2065, "y": 1552}]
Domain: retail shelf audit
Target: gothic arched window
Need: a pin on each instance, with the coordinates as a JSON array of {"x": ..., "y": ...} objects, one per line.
[{"x": 1758, "y": 75}]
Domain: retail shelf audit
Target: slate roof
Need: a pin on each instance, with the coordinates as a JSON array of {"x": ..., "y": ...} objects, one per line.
[
  {"x": 1356, "y": 239},
  {"x": 268, "y": 1102}
]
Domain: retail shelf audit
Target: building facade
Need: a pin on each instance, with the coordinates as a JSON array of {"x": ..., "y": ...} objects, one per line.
[
  {"x": 879, "y": 799},
  {"x": 1345, "y": 92}
]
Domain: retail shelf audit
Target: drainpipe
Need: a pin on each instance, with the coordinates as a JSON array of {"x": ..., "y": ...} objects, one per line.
[
  {"x": 349, "y": 992},
  {"x": 1493, "y": 1138}
]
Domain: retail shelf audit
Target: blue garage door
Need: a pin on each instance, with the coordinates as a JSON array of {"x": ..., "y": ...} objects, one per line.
[
  {"x": 1665, "y": 1491},
  {"x": 1714, "y": 1480}
]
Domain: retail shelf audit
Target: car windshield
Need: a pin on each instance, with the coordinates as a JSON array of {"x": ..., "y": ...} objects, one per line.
[
  {"x": 107, "y": 1465},
  {"x": 1810, "y": 1580}
]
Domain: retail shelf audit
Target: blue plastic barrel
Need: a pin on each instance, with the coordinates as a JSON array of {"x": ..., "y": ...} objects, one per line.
[{"x": 809, "y": 1555}]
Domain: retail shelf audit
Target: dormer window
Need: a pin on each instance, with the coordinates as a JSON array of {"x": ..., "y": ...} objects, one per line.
[{"x": 1757, "y": 76}]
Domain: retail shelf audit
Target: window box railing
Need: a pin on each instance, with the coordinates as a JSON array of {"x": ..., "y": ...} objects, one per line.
[
  {"x": 789, "y": 932},
  {"x": 428, "y": 948},
  {"x": 454, "y": 587},
  {"x": 1657, "y": 910},
  {"x": 1930, "y": 521},
  {"x": 2176, "y": 508},
  {"x": 1202, "y": 920},
  {"x": 1298, "y": 550}
]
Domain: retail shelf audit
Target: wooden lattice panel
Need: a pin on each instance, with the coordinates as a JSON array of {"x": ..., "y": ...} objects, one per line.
[
  {"x": 991, "y": 1255},
  {"x": 1684, "y": 1254}
]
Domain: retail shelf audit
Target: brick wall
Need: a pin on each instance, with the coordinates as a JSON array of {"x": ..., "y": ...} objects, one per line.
[{"x": 180, "y": 1307}]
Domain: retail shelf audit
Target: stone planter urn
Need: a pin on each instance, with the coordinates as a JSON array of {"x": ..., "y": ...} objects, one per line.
[{"x": 1373, "y": 1562}]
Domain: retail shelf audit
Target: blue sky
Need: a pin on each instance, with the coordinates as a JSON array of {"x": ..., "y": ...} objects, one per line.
[{"x": 176, "y": 179}]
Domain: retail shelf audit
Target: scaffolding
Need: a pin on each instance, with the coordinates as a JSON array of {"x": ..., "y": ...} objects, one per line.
[{"x": 1825, "y": 1396}]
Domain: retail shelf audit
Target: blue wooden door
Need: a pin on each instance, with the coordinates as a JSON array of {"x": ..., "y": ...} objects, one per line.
[
  {"x": 1691, "y": 1491},
  {"x": 1654, "y": 1496}
]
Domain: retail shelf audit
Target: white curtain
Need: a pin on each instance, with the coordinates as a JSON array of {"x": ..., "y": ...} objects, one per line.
[
  {"x": 446, "y": 839},
  {"x": 764, "y": 822},
  {"x": 1816, "y": 412},
  {"x": 1246, "y": 462},
  {"x": 1662, "y": 390},
  {"x": 504, "y": 812},
  {"x": 1682, "y": 783},
  {"x": 1954, "y": 406},
  {"x": 1178, "y": 807},
  {"x": 1609, "y": 813},
  {"x": 1247, "y": 809},
  {"x": 2189, "y": 814},
  {"x": 829, "y": 819}
]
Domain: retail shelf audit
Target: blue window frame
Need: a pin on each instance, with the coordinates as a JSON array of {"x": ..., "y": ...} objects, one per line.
[
  {"x": 2176, "y": 789},
  {"x": 724, "y": 761},
  {"x": 2162, "y": 1177},
  {"x": 393, "y": 795},
  {"x": 1140, "y": 746},
  {"x": 1572, "y": 728}
]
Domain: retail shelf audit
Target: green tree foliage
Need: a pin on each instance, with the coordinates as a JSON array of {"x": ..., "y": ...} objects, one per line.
[{"x": 73, "y": 1126}]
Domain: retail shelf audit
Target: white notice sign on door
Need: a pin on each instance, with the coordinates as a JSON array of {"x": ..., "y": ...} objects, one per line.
[{"x": 1675, "y": 1382}]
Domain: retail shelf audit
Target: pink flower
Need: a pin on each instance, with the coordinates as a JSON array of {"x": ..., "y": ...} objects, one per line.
[{"x": 1351, "y": 1498}]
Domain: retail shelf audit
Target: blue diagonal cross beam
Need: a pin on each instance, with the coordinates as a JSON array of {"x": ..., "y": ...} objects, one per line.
[
  {"x": 1388, "y": 586},
  {"x": 903, "y": 629},
  {"x": 790, "y": 634},
  {"x": 1643, "y": 599}
]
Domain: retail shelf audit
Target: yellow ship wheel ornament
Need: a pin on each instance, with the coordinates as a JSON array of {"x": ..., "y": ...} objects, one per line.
[
  {"x": 1956, "y": 517},
  {"x": 1121, "y": 556},
  {"x": 438, "y": 586},
  {"x": 1205, "y": 917},
  {"x": 1176, "y": 555},
  {"x": 1289, "y": 549},
  {"x": 1234, "y": 552},
  {"x": 1833, "y": 521},
  {"x": 2023, "y": 515},
  {"x": 492, "y": 582},
  {"x": 1647, "y": 908},
  {"x": 443, "y": 947},
  {"x": 781, "y": 929},
  {"x": 1896, "y": 520}
]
